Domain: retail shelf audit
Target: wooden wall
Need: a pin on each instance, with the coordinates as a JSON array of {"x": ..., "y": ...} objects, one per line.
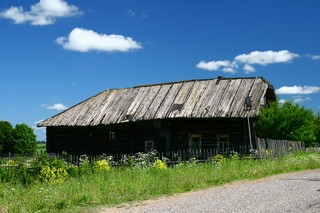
[
  {"x": 73, "y": 140},
  {"x": 209, "y": 129},
  {"x": 168, "y": 135}
]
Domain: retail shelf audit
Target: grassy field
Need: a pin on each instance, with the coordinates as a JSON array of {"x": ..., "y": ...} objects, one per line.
[
  {"x": 41, "y": 148},
  {"x": 93, "y": 185}
]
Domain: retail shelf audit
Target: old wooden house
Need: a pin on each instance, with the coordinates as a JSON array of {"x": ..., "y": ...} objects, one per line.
[{"x": 186, "y": 115}]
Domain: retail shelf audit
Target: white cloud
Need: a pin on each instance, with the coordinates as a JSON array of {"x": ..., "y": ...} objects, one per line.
[
  {"x": 298, "y": 90},
  {"x": 266, "y": 57},
  {"x": 225, "y": 66},
  {"x": 45, "y": 12},
  {"x": 57, "y": 106},
  {"x": 84, "y": 40},
  {"x": 228, "y": 70},
  {"x": 255, "y": 57},
  {"x": 248, "y": 68},
  {"x": 299, "y": 99},
  {"x": 35, "y": 127},
  {"x": 316, "y": 57}
]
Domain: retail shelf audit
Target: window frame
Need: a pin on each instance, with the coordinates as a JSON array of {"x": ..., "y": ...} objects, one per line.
[
  {"x": 225, "y": 144},
  {"x": 147, "y": 144},
  {"x": 195, "y": 135},
  {"x": 112, "y": 135}
]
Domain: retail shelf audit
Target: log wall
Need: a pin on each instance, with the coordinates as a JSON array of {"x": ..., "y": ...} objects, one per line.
[{"x": 167, "y": 135}]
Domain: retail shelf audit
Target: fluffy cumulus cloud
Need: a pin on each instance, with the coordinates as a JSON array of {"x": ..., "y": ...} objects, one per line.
[
  {"x": 266, "y": 57},
  {"x": 57, "y": 106},
  {"x": 298, "y": 90},
  {"x": 246, "y": 61},
  {"x": 248, "y": 68},
  {"x": 225, "y": 66},
  {"x": 45, "y": 12},
  {"x": 84, "y": 40}
]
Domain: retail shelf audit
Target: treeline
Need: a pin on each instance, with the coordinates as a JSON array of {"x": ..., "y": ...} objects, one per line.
[
  {"x": 289, "y": 121},
  {"x": 17, "y": 140}
]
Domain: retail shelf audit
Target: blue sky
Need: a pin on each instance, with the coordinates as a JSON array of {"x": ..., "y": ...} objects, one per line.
[{"x": 56, "y": 53}]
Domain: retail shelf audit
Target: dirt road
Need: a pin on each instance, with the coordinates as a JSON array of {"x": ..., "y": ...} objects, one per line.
[{"x": 294, "y": 192}]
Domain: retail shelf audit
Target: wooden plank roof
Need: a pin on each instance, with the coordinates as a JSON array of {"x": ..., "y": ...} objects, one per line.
[{"x": 207, "y": 98}]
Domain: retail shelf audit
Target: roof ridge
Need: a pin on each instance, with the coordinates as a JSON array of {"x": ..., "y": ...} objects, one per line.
[{"x": 203, "y": 79}]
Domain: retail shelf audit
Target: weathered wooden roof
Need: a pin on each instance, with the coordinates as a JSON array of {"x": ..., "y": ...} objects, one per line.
[{"x": 209, "y": 98}]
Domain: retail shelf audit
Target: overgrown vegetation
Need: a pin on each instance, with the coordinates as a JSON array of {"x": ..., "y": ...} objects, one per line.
[
  {"x": 48, "y": 184},
  {"x": 288, "y": 121}
]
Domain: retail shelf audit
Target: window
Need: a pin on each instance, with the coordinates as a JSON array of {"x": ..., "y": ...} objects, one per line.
[
  {"x": 195, "y": 142},
  {"x": 148, "y": 146},
  {"x": 111, "y": 135},
  {"x": 263, "y": 101},
  {"x": 222, "y": 143}
]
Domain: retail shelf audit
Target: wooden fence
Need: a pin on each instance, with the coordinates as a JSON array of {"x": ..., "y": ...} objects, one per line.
[
  {"x": 264, "y": 148},
  {"x": 276, "y": 148},
  {"x": 171, "y": 157}
]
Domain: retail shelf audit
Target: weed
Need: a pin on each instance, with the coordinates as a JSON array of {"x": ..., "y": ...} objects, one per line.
[{"x": 24, "y": 186}]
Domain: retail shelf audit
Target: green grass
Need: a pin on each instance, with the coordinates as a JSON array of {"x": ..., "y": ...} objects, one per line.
[
  {"x": 41, "y": 148},
  {"x": 121, "y": 185}
]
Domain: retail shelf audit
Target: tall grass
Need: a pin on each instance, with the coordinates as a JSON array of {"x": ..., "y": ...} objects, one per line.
[{"x": 124, "y": 184}]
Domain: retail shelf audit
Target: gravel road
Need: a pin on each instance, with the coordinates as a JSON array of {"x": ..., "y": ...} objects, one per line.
[{"x": 294, "y": 192}]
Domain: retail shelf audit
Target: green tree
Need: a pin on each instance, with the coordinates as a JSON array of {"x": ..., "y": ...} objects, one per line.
[
  {"x": 286, "y": 121},
  {"x": 23, "y": 140},
  {"x": 6, "y": 130},
  {"x": 317, "y": 128}
]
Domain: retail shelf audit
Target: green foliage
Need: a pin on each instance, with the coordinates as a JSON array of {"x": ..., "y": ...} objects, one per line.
[
  {"x": 159, "y": 164},
  {"x": 102, "y": 165},
  {"x": 6, "y": 130},
  {"x": 53, "y": 175},
  {"x": 18, "y": 140},
  {"x": 218, "y": 159},
  {"x": 24, "y": 140},
  {"x": 143, "y": 160},
  {"x": 287, "y": 121},
  {"x": 41, "y": 148},
  {"x": 317, "y": 129},
  {"x": 124, "y": 184}
]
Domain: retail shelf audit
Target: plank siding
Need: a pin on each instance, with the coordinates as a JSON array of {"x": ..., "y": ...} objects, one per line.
[{"x": 73, "y": 140}]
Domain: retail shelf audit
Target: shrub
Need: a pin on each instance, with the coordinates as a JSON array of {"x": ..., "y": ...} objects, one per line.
[
  {"x": 102, "y": 165},
  {"x": 144, "y": 160},
  {"x": 53, "y": 175},
  {"x": 160, "y": 164},
  {"x": 10, "y": 163},
  {"x": 234, "y": 155},
  {"x": 218, "y": 159}
]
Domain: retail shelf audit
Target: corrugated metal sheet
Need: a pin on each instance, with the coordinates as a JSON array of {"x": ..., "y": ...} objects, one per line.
[{"x": 210, "y": 98}]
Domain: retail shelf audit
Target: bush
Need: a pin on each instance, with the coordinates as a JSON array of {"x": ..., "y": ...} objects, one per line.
[
  {"x": 159, "y": 164},
  {"x": 53, "y": 175},
  {"x": 102, "y": 165}
]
